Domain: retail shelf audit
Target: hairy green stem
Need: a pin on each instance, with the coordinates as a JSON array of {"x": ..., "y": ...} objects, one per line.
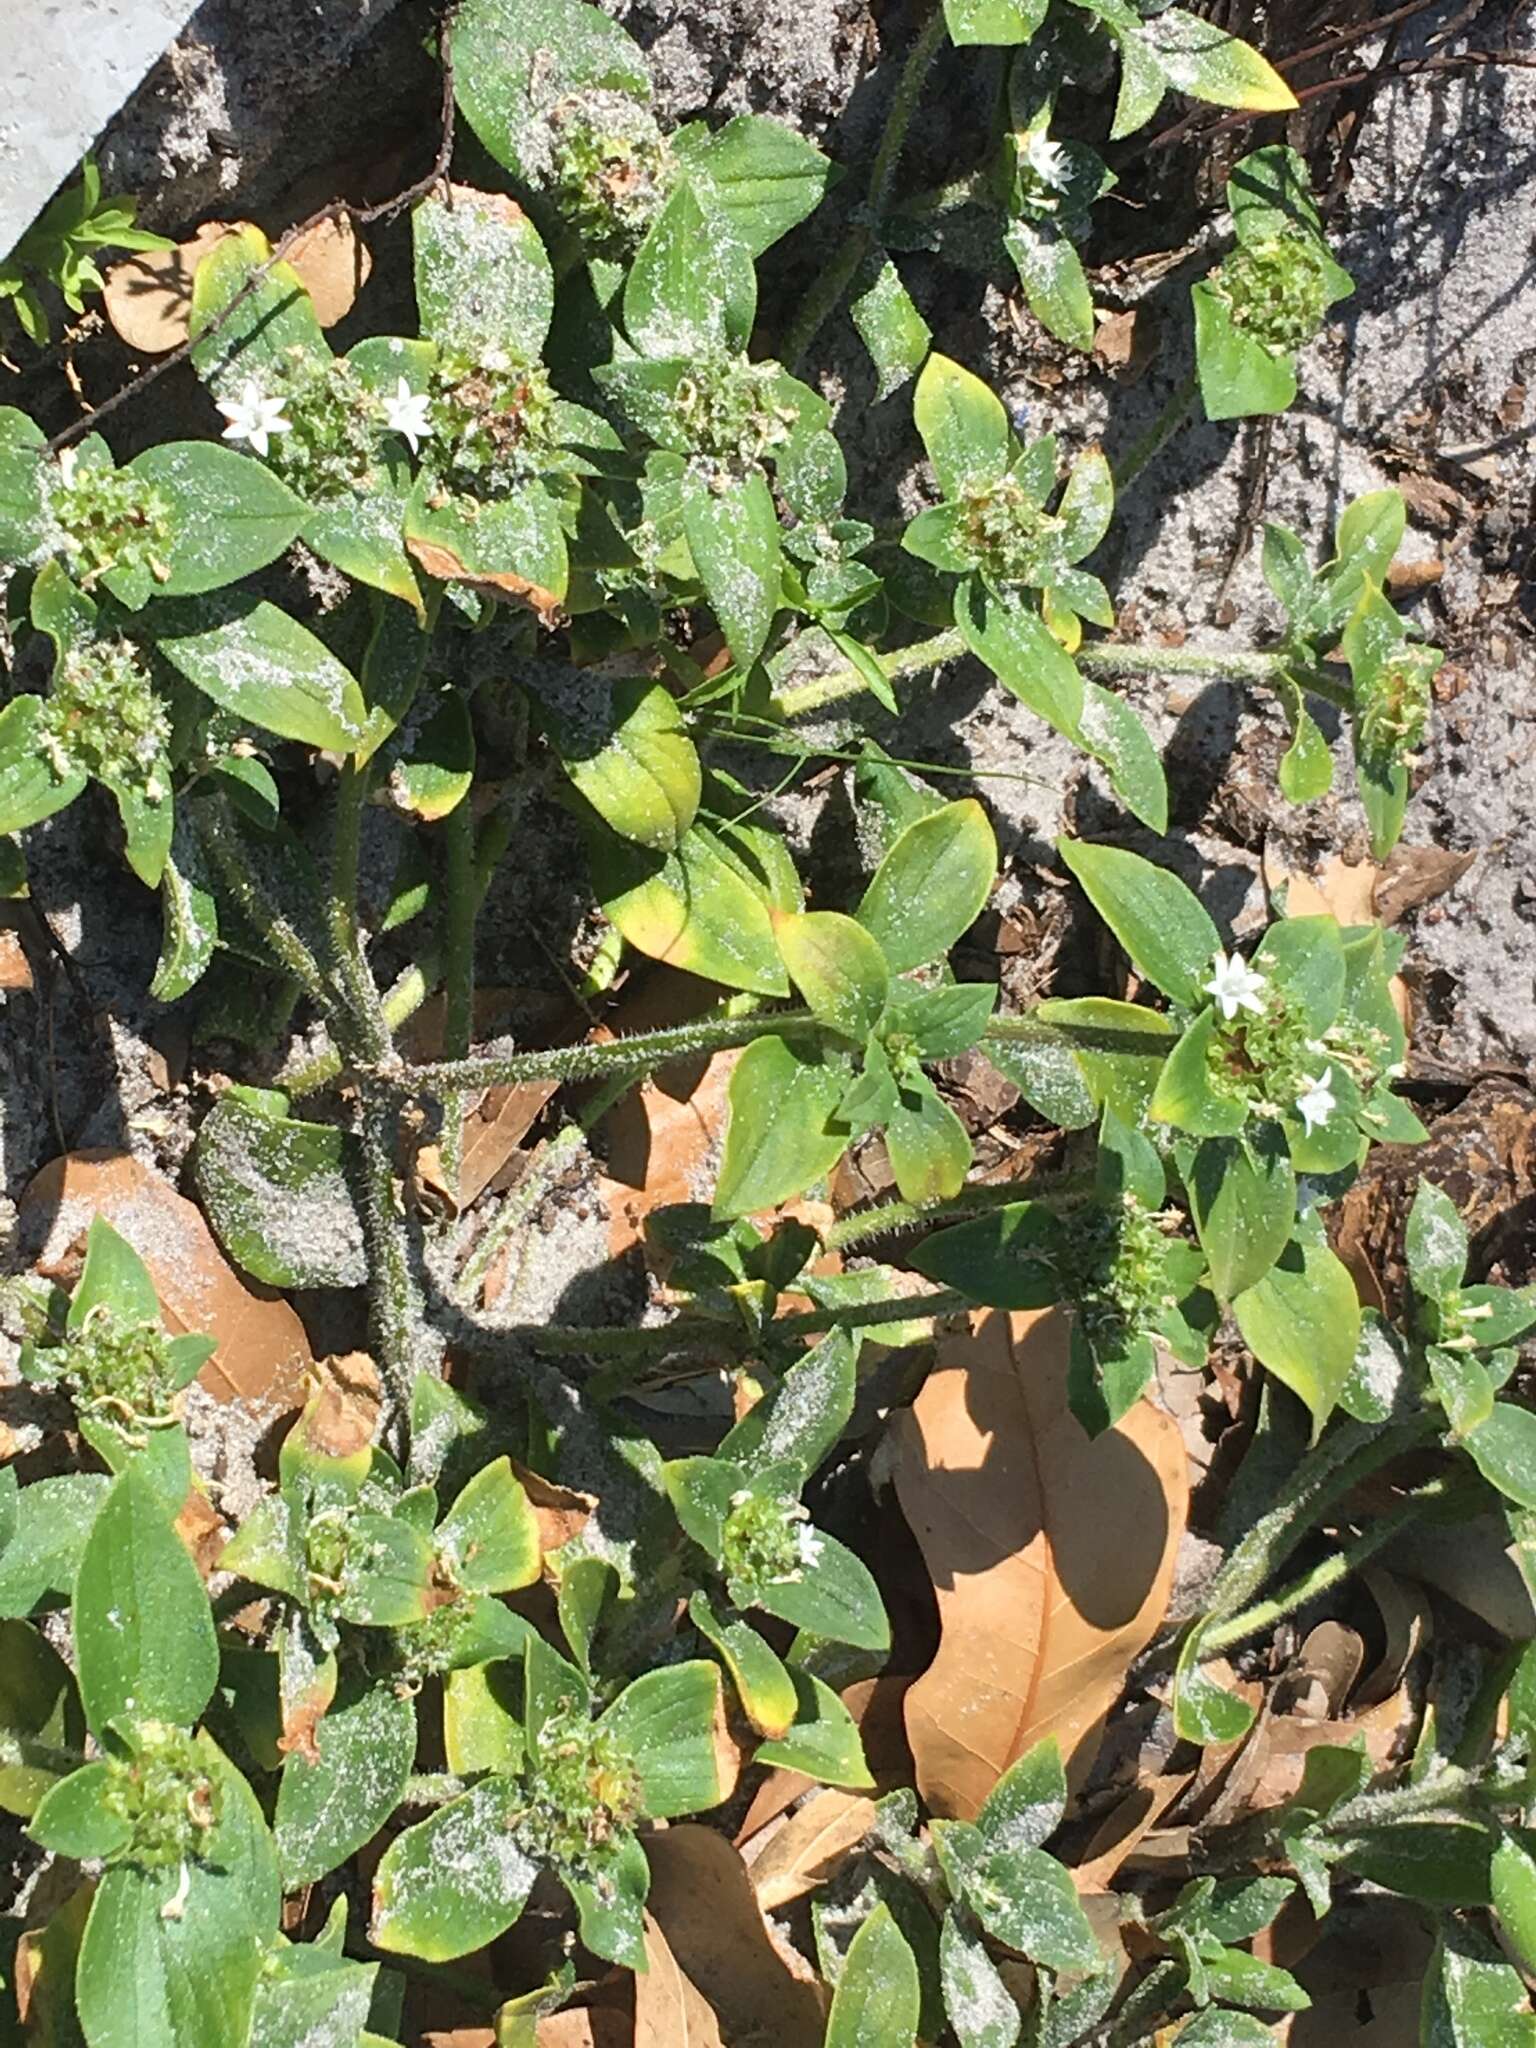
[
  {"x": 394, "y": 1301},
  {"x": 1329, "y": 1572},
  {"x": 549, "y": 1161},
  {"x": 1325, "y": 1475},
  {"x": 639, "y": 1053},
  {"x": 1159, "y": 434},
  {"x": 401, "y": 1000},
  {"x": 826, "y": 295},
  {"x": 363, "y": 1021},
  {"x": 564, "y": 1341},
  {"x": 1098, "y": 657},
  {"x": 462, "y": 903},
  {"x": 887, "y": 1217},
  {"x": 288, "y": 946}
]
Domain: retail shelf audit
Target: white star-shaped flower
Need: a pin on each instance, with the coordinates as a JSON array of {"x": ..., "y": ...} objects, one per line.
[
  {"x": 1047, "y": 159},
  {"x": 1235, "y": 986},
  {"x": 253, "y": 417},
  {"x": 408, "y": 414},
  {"x": 1316, "y": 1102}
]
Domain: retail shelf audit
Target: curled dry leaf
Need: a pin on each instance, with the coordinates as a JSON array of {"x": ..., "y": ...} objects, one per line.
[
  {"x": 443, "y": 563},
  {"x": 15, "y": 967},
  {"x": 703, "y": 1905},
  {"x": 670, "y": 2012},
  {"x": 263, "y": 1354},
  {"x": 148, "y": 296},
  {"x": 560, "y": 1511},
  {"x": 1051, "y": 1554},
  {"x": 808, "y": 1848},
  {"x": 496, "y": 1120},
  {"x": 346, "y": 1414}
]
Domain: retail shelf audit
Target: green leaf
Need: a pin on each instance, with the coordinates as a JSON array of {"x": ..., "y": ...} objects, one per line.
[
  {"x": 733, "y": 536},
  {"x": 1473, "y": 1998},
  {"x": 115, "y": 1277},
  {"x": 1216, "y": 2028},
  {"x": 824, "y": 1741},
  {"x": 1055, "y": 284},
  {"x": 665, "y": 1721},
  {"x": 1025, "y": 1807},
  {"x": 257, "y": 338},
  {"x": 1112, "y": 733},
  {"x": 1208, "y": 64},
  {"x": 74, "y": 1818},
  {"x": 979, "y": 2005},
  {"x": 611, "y": 1915},
  {"x": 31, "y": 787},
  {"x": 515, "y": 540},
  {"x": 835, "y": 1597},
  {"x": 1504, "y": 1450},
  {"x": 362, "y": 532},
  {"x": 389, "y": 1570},
  {"x": 1302, "y": 1321},
  {"x": 1204, "y": 1711},
  {"x": 1005, "y": 631},
  {"x": 929, "y": 1147},
  {"x": 489, "y": 1538},
  {"x": 763, "y": 176},
  {"x": 143, "y": 1631},
  {"x": 837, "y": 967},
  {"x": 482, "y": 277},
  {"x": 41, "y": 1725},
  {"x": 993, "y": 21},
  {"x": 39, "y": 1564},
  {"x": 1435, "y": 1243},
  {"x": 432, "y": 758},
  {"x": 1239, "y": 376},
  {"x": 23, "y": 514},
  {"x": 1009, "y": 1258},
  {"x": 890, "y": 326},
  {"x": 1028, "y": 1900},
  {"x": 931, "y": 886},
  {"x": 1186, "y": 1095},
  {"x": 768, "y": 1692},
  {"x": 1160, "y": 923},
  {"x": 635, "y": 764},
  {"x": 454, "y": 1882},
  {"x": 147, "y": 1979},
  {"x": 879, "y": 1995},
  {"x": 964, "y": 427},
  {"x": 800, "y": 1419},
  {"x": 515, "y": 59},
  {"x": 230, "y": 516},
  {"x": 329, "y": 1806},
  {"x": 692, "y": 289},
  {"x": 784, "y": 1131},
  {"x": 190, "y": 923},
  {"x": 254, "y": 660},
  {"x": 309, "y": 1998},
  {"x": 1242, "y": 1195},
  {"x": 1441, "y": 1863},
  {"x": 1513, "y": 1873},
  {"x": 276, "y": 1192},
  {"x": 1306, "y": 767}
]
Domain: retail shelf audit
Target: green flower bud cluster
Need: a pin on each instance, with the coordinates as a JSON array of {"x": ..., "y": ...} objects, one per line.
[
  {"x": 327, "y": 1557},
  {"x": 767, "y": 1541},
  {"x": 611, "y": 168},
  {"x": 730, "y": 411},
  {"x": 492, "y": 423},
  {"x": 331, "y": 443},
  {"x": 1010, "y": 538},
  {"x": 119, "y": 1371},
  {"x": 104, "y": 718},
  {"x": 1392, "y": 706},
  {"x": 1277, "y": 290},
  {"x": 164, "y": 1795},
  {"x": 583, "y": 1791},
  {"x": 430, "y": 1645},
  {"x": 1115, "y": 1271},
  {"x": 109, "y": 519}
]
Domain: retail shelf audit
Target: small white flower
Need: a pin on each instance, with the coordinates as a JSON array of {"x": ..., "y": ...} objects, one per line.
[
  {"x": 1235, "y": 986},
  {"x": 809, "y": 1545},
  {"x": 1047, "y": 159},
  {"x": 68, "y": 457},
  {"x": 253, "y": 417},
  {"x": 408, "y": 414},
  {"x": 1316, "y": 1102}
]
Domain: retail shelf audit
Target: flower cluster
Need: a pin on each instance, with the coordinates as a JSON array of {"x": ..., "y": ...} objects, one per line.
[
  {"x": 611, "y": 168},
  {"x": 583, "y": 1790},
  {"x": 314, "y": 421},
  {"x": 163, "y": 1793},
  {"x": 1011, "y": 537},
  {"x": 491, "y": 422},
  {"x": 731, "y": 411},
  {"x": 1277, "y": 290},
  {"x": 121, "y": 1372},
  {"x": 1392, "y": 703},
  {"x": 1114, "y": 1269},
  {"x": 767, "y": 1541},
  {"x": 104, "y": 718},
  {"x": 108, "y": 519}
]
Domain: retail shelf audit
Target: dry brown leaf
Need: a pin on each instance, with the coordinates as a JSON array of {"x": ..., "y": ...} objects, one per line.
[
  {"x": 15, "y": 967},
  {"x": 1342, "y": 889},
  {"x": 560, "y": 1511},
  {"x": 348, "y": 1399},
  {"x": 1051, "y": 1554},
  {"x": 806, "y": 1850},
  {"x": 148, "y": 296},
  {"x": 670, "y": 2011},
  {"x": 446, "y": 565},
  {"x": 1415, "y": 875},
  {"x": 1123, "y": 1830},
  {"x": 496, "y": 1120},
  {"x": 263, "y": 1353},
  {"x": 201, "y": 1528},
  {"x": 702, "y": 1901}
]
